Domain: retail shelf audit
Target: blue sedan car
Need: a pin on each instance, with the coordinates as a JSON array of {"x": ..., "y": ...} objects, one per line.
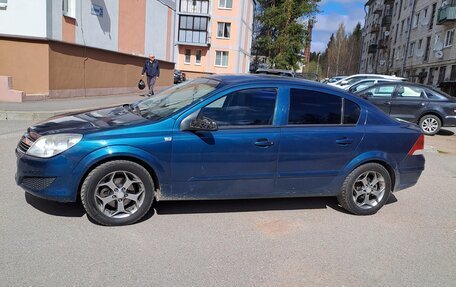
[{"x": 222, "y": 137}]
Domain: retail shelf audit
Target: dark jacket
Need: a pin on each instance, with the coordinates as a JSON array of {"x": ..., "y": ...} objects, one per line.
[{"x": 151, "y": 69}]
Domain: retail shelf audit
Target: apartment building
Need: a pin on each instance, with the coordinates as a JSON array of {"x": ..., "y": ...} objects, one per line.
[
  {"x": 411, "y": 38},
  {"x": 69, "y": 48},
  {"x": 213, "y": 36}
]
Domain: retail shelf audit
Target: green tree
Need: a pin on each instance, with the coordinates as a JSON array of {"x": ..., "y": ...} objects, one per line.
[{"x": 282, "y": 31}]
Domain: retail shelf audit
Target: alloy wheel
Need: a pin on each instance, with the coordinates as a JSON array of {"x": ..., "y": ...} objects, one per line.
[
  {"x": 429, "y": 125},
  {"x": 368, "y": 189},
  {"x": 119, "y": 194}
]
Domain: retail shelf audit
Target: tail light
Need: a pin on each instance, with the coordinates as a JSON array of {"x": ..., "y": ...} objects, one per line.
[{"x": 418, "y": 147}]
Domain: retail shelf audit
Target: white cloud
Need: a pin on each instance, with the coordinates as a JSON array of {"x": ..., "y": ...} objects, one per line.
[
  {"x": 318, "y": 46},
  {"x": 330, "y": 23}
]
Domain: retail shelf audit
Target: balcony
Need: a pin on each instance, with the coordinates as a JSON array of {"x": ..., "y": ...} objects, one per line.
[
  {"x": 375, "y": 28},
  {"x": 378, "y": 10},
  {"x": 447, "y": 14},
  {"x": 372, "y": 49},
  {"x": 386, "y": 21}
]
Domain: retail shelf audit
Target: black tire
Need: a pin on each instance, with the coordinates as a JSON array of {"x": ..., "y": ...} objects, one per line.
[
  {"x": 89, "y": 187},
  {"x": 430, "y": 118},
  {"x": 346, "y": 196}
]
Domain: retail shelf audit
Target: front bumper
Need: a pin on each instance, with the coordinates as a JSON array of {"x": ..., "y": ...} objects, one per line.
[{"x": 49, "y": 178}]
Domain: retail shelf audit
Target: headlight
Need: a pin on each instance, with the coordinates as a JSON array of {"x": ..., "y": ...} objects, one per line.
[{"x": 47, "y": 146}]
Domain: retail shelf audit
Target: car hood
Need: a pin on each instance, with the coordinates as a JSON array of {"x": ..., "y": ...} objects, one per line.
[{"x": 88, "y": 121}]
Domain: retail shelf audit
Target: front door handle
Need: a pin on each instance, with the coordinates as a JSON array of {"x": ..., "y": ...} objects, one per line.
[
  {"x": 344, "y": 141},
  {"x": 387, "y": 103},
  {"x": 263, "y": 142}
]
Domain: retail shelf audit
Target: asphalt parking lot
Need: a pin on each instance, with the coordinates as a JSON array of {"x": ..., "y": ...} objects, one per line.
[{"x": 285, "y": 242}]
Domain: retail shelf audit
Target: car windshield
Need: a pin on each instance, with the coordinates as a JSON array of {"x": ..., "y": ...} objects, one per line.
[{"x": 174, "y": 99}]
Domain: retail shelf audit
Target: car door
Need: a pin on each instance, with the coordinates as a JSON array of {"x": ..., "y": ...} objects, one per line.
[
  {"x": 239, "y": 160},
  {"x": 381, "y": 96},
  {"x": 408, "y": 102},
  {"x": 318, "y": 139}
]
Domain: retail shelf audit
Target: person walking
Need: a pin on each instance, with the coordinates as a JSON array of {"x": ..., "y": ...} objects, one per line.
[{"x": 152, "y": 70}]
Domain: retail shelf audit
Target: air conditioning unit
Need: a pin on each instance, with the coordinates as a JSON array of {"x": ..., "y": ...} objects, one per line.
[{"x": 438, "y": 54}]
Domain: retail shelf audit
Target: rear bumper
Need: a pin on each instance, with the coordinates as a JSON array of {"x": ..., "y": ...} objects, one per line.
[
  {"x": 410, "y": 172},
  {"x": 449, "y": 121}
]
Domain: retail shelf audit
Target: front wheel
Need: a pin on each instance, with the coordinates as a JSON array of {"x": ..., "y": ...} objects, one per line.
[
  {"x": 430, "y": 124},
  {"x": 117, "y": 193},
  {"x": 366, "y": 189}
]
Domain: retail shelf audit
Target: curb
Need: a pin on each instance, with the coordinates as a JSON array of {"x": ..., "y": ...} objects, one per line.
[{"x": 28, "y": 115}]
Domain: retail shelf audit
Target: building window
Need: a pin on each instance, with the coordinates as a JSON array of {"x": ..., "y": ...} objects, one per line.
[
  {"x": 453, "y": 73},
  {"x": 431, "y": 22},
  {"x": 420, "y": 44},
  {"x": 194, "y": 6},
  {"x": 449, "y": 36},
  {"x": 223, "y": 30},
  {"x": 225, "y": 4},
  {"x": 188, "y": 54},
  {"x": 198, "y": 57},
  {"x": 442, "y": 72},
  {"x": 411, "y": 49},
  {"x": 3, "y": 3},
  {"x": 69, "y": 8},
  {"x": 221, "y": 58},
  {"x": 193, "y": 29},
  {"x": 428, "y": 48},
  {"x": 416, "y": 18}
]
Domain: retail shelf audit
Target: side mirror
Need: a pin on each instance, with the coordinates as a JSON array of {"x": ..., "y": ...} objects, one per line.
[
  {"x": 203, "y": 124},
  {"x": 344, "y": 83}
]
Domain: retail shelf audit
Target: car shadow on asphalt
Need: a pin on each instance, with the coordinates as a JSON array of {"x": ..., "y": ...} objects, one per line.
[
  {"x": 250, "y": 205},
  {"x": 70, "y": 209},
  {"x": 444, "y": 132},
  {"x": 75, "y": 209}
]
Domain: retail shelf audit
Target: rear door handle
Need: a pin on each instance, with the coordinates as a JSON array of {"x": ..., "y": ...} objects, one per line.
[
  {"x": 387, "y": 103},
  {"x": 263, "y": 142},
  {"x": 344, "y": 141}
]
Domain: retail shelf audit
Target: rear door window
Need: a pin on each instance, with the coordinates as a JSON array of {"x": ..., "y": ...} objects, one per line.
[
  {"x": 410, "y": 92},
  {"x": 316, "y": 108},
  {"x": 381, "y": 91}
]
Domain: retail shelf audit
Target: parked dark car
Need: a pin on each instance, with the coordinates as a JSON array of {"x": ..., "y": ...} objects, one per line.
[
  {"x": 222, "y": 137},
  {"x": 179, "y": 77},
  {"x": 429, "y": 108}
]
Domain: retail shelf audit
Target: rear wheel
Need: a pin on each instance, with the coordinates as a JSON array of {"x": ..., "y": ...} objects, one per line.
[
  {"x": 430, "y": 124},
  {"x": 117, "y": 193},
  {"x": 366, "y": 189}
]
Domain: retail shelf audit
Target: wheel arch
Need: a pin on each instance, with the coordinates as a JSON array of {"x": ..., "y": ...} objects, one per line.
[
  {"x": 99, "y": 157},
  {"x": 378, "y": 157},
  {"x": 386, "y": 165},
  {"x": 433, "y": 113}
]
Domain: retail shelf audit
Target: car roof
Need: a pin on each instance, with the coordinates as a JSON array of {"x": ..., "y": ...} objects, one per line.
[{"x": 239, "y": 79}]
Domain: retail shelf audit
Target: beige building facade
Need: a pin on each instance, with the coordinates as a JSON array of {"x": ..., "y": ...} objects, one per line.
[
  {"x": 411, "y": 38},
  {"x": 213, "y": 36}
]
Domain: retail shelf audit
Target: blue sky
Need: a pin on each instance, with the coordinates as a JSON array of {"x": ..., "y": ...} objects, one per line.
[{"x": 334, "y": 12}]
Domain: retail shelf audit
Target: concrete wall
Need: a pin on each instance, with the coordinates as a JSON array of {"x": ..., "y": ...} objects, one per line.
[
  {"x": 24, "y": 18},
  {"x": 98, "y": 31},
  {"x": 27, "y": 63},
  {"x": 79, "y": 71}
]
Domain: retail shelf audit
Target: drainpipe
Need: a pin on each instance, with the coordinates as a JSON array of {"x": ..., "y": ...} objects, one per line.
[{"x": 408, "y": 39}]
